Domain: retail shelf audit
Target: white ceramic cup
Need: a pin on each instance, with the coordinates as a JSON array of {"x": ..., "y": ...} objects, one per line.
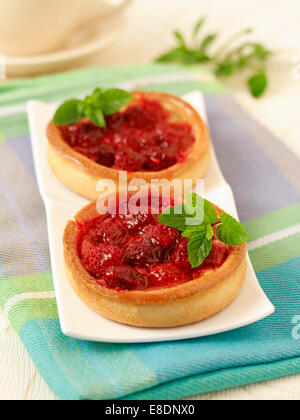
[{"x": 29, "y": 27}]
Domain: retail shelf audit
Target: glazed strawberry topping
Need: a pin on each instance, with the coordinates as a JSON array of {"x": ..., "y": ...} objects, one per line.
[
  {"x": 142, "y": 138},
  {"x": 136, "y": 252}
]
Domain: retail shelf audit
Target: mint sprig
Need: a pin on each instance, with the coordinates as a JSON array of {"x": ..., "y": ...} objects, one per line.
[
  {"x": 196, "y": 220},
  {"x": 95, "y": 107},
  {"x": 233, "y": 56}
]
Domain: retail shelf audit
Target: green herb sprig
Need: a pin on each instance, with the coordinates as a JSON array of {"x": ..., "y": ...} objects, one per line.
[
  {"x": 229, "y": 59},
  {"x": 196, "y": 220},
  {"x": 95, "y": 107}
]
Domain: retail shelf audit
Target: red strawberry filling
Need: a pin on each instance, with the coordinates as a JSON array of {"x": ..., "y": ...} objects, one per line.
[
  {"x": 180, "y": 255},
  {"x": 136, "y": 252},
  {"x": 142, "y": 138}
]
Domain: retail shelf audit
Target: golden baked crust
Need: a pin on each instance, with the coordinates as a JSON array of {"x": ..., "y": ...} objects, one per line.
[
  {"x": 183, "y": 304},
  {"x": 81, "y": 174}
]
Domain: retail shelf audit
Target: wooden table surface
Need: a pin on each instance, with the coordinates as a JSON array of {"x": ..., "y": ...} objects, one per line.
[{"x": 145, "y": 35}]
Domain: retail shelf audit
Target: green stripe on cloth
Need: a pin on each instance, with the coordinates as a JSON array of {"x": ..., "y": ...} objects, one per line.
[
  {"x": 275, "y": 253},
  {"x": 31, "y": 309},
  {"x": 273, "y": 222},
  {"x": 12, "y": 286},
  {"x": 181, "y": 88},
  {"x": 70, "y": 83},
  {"x": 62, "y": 85},
  {"x": 13, "y": 125}
]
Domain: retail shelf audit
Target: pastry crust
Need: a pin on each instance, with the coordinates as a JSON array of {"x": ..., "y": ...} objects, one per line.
[
  {"x": 82, "y": 175},
  {"x": 183, "y": 304}
]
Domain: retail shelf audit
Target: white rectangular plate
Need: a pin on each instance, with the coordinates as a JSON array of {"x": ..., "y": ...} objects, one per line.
[{"x": 79, "y": 321}]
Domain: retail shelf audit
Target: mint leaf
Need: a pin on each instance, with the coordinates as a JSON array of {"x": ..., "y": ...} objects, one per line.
[
  {"x": 114, "y": 100},
  {"x": 95, "y": 101},
  {"x": 200, "y": 244},
  {"x": 175, "y": 217},
  {"x": 199, "y": 249},
  {"x": 69, "y": 112},
  {"x": 96, "y": 116},
  {"x": 261, "y": 52},
  {"x": 192, "y": 232},
  {"x": 210, "y": 232},
  {"x": 210, "y": 214},
  {"x": 97, "y": 92},
  {"x": 194, "y": 205},
  {"x": 173, "y": 56},
  {"x": 258, "y": 84},
  {"x": 198, "y": 26},
  {"x": 231, "y": 232},
  {"x": 209, "y": 39},
  {"x": 225, "y": 69},
  {"x": 200, "y": 208},
  {"x": 180, "y": 39}
]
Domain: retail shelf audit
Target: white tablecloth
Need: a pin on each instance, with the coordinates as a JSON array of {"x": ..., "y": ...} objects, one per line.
[{"x": 148, "y": 33}]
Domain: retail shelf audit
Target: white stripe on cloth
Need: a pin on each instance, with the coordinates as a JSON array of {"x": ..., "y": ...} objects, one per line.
[
  {"x": 274, "y": 237},
  {"x": 26, "y": 296}
]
